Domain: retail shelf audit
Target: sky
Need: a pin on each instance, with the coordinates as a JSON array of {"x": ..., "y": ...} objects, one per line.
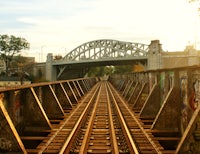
[{"x": 59, "y": 26}]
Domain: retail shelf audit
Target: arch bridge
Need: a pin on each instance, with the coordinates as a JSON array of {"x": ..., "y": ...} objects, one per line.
[{"x": 96, "y": 53}]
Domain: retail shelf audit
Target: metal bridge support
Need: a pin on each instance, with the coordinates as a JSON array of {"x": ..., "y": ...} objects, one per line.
[
  {"x": 49, "y": 101},
  {"x": 9, "y": 138},
  {"x": 28, "y": 114},
  {"x": 173, "y": 104},
  {"x": 152, "y": 103},
  {"x": 170, "y": 105}
]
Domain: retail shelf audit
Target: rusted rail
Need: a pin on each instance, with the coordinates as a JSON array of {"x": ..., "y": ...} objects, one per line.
[
  {"x": 62, "y": 136},
  {"x": 133, "y": 113},
  {"x": 141, "y": 141},
  {"x": 100, "y": 123}
]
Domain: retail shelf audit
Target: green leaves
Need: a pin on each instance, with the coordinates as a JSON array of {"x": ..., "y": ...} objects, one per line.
[{"x": 11, "y": 46}]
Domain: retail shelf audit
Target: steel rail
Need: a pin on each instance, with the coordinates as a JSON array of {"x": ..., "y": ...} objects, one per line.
[
  {"x": 132, "y": 143},
  {"x": 136, "y": 120},
  {"x": 90, "y": 124},
  {"x": 65, "y": 122},
  {"x": 75, "y": 128},
  {"x": 114, "y": 138}
]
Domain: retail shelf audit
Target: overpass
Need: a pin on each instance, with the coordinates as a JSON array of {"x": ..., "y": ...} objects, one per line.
[
  {"x": 107, "y": 52},
  {"x": 96, "y": 53}
]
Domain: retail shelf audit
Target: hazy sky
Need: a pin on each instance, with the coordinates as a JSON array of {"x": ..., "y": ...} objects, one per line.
[{"x": 58, "y": 26}]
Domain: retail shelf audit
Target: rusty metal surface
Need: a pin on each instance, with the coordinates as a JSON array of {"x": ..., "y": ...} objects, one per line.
[
  {"x": 159, "y": 113},
  {"x": 9, "y": 138},
  {"x": 92, "y": 131},
  {"x": 152, "y": 104},
  {"x": 31, "y": 112},
  {"x": 171, "y": 106}
]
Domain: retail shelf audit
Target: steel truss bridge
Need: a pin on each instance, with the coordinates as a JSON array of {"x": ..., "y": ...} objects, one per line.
[
  {"x": 101, "y": 52},
  {"x": 130, "y": 113}
]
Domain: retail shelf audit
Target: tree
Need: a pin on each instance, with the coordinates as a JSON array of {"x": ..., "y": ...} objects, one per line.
[
  {"x": 57, "y": 57},
  {"x": 11, "y": 46},
  {"x": 123, "y": 69},
  {"x": 100, "y": 71}
]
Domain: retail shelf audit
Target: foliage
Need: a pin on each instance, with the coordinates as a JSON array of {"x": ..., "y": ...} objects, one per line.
[
  {"x": 100, "y": 71},
  {"x": 57, "y": 57},
  {"x": 17, "y": 61},
  {"x": 123, "y": 69},
  {"x": 108, "y": 70},
  {"x": 10, "y": 46},
  {"x": 138, "y": 68}
]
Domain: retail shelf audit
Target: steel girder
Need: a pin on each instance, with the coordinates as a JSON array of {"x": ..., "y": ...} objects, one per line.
[
  {"x": 100, "y": 49},
  {"x": 104, "y": 49}
]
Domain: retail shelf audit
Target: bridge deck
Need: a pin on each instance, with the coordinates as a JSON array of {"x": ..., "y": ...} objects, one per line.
[{"x": 133, "y": 113}]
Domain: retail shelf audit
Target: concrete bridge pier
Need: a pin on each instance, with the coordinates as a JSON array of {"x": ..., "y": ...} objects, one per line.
[
  {"x": 154, "y": 55},
  {"x": 50, "y": 69}
]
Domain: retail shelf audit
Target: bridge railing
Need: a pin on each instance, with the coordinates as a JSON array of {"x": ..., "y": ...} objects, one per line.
[
  {"x": 32, "y": 110},
  {"x": 170, "y": 98}
]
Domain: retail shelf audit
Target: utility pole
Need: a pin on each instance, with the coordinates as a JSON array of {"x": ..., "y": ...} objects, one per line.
[{"x": 42, "y": 52}]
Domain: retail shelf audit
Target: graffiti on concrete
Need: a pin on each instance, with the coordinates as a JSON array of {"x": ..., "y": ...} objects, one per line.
[
  {"x": 186, "y": 110},
  {"x": 17, "y": 109},
  {"x": 5, "y": 145},
  {"x": 195, "y": 95}
]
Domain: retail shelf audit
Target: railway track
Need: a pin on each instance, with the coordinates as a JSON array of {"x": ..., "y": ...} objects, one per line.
[{"x": 100, "y": 123}]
